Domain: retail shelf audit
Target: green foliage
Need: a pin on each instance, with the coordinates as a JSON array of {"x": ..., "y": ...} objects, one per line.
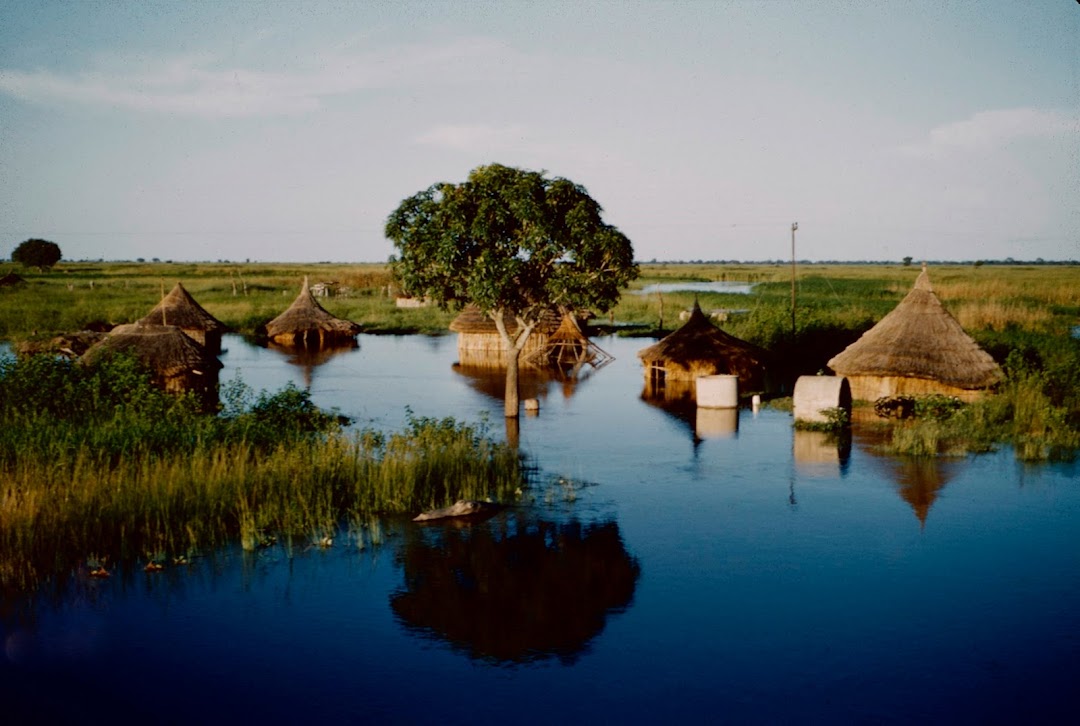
[
  {"x": 836, "y": 419},
  {"x": 38, "y": 253},
  {"x": 937, "y": 407},
  {"x": 510, "y": 240},
  {"x": 99, "y": 461}
]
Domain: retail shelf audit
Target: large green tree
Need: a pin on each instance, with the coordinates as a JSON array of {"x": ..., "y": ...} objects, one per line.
[
  {"x": 38, "y": 253},
  {"x": 515, "y": 244}
]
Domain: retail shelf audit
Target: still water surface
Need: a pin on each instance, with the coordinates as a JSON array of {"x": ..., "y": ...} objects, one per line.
[{"x": 709, "y": 570}]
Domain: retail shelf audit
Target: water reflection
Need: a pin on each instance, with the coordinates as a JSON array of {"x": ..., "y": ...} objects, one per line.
[
  {"x": 515, "y": 589},
  {"x": 307, "y": 359},
  {"x": 701, "y": 423},
  {"x": 821, "y": 454},
  {"x": 918, "y": 479},
  {"x": 532, "y": 382}
]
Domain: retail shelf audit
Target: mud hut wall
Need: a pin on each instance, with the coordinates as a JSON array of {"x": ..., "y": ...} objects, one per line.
[
  {"x": 871, "y": 388},
  {"x": 487, "y": 350}
]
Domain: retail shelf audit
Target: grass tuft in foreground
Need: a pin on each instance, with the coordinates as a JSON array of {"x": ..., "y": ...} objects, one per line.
[{"x": 97, "y": 462}]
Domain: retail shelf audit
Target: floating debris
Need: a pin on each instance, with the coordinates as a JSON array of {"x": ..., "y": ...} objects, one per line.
[{"x": 460, "y": 508}]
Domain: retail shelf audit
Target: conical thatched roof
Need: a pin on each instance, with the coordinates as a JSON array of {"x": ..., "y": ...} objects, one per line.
[
  {"x": 919, "y": 339},
  {"x": 164, "y": 348},
  {"x": 701, "y": 348},
  {"x": 569, "y": 347},
  {"x": 304, "y": 318},
  {"x": 472, "y": 320},
  {"x": 180, "y": 309}
]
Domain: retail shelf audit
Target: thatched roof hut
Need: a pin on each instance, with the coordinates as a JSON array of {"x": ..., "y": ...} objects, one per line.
[
  {"x": 918, "y": 348},
  {"x": 178, "y": 363},
  {"x": 180, "y": 309},
  {"x": 69, "y": 345},
  {"x": 479, "y": 342},
  {"x": 306, "y": 323},
  {"x": 568, "y": 350},
  {"x": 699, "y": 348}
]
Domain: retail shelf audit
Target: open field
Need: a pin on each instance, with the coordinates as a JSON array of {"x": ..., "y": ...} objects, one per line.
[{"x": 989, "y": 298}]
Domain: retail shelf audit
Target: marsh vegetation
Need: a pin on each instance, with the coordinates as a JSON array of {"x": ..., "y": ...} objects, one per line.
[{"x": 96, "y": 464}]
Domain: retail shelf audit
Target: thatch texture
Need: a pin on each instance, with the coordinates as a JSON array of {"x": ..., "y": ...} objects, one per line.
[
  {"x": 479, "y": 342},
  {"x": 178, "y": 362},
  {"x": 179, "y": 308},
  {"x": 69, "y": 345},
  {"x": 699, "y": 348},
  {"x": 918, "y": 348},
  {"x": 306, "y": 323},
  {"x": 568, "y": 349}
]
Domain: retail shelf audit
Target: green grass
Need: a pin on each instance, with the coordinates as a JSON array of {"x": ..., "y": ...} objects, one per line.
[{"x": 98, "y": 464}]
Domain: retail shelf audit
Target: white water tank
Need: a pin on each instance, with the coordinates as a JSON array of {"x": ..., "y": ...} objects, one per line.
[
  {"x": 815, "y": 393},
  {"x": 720, "y": 391}
]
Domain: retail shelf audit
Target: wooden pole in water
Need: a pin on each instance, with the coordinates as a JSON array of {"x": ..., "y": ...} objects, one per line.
[{"x": 794, "y": 226}]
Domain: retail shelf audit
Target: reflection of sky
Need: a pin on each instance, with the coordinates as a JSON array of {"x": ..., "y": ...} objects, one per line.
[{"x": 738, "y": 288}]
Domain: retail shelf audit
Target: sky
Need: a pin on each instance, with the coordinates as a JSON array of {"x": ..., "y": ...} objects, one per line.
[{"x": 289, "y": 131}]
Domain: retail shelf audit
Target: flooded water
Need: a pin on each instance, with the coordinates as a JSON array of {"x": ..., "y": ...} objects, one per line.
[
  {"x": 710, "y": 567},
  {"x": 738, "y": 288}
]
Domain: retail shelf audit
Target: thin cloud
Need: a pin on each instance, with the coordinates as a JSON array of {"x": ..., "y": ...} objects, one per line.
[
  {"x": 991, "y": 129},
  {"x": 199, "y": 86}
]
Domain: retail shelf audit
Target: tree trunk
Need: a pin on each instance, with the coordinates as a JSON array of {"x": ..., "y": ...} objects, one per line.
[
  {"x": 511, "y": 400},
  {"x": 513, "y": 353}
]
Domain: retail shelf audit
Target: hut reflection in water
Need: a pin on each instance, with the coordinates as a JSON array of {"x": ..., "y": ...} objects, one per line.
[
  {"x": 308, "y": 359},
  {"x": 919, "y": 480},
  {"x": 515, "y": 589}
]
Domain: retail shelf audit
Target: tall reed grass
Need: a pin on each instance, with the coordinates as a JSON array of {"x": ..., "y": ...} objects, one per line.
[{"x": 97, "y": 462}]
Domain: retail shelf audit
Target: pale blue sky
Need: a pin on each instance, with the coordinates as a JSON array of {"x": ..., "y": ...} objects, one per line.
[{"x": 290, "y": 130}]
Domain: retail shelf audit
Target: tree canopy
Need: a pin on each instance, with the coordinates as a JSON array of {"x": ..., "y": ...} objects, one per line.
[
  {"x": 38, "y": 253},
  {"x": 513, "y": 242}
]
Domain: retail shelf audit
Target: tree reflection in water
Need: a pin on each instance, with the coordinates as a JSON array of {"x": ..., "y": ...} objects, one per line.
[{"x": 514, "y": 590}]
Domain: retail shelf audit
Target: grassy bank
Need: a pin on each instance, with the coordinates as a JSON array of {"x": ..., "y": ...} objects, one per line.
[
  {"x": 98, "y": 466},
  {"x": 1022, "y": 314}
]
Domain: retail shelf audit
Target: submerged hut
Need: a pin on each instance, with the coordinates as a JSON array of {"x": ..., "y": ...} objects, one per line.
[
  {"x": 307, "y": 324},
  {"x": 479, "y": 342},
  {"x": 179, "y": 308},
  {"x": 568, "y": 350},
  {"x": 699, "y": 348},
  {"x": 177, "y": 362},
  {"x": 918, "y": 348}
]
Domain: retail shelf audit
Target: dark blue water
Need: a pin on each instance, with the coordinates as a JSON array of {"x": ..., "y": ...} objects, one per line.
[{"x": 704, "y": 571}]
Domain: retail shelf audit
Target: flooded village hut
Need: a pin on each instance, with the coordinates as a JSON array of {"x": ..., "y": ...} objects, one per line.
[
  {"x": 568, "y": 349},
  {"x": 918, "y": 348},
  {"x": 307, "y": 324},
  {"x": 699, "y": 348},
  {"x": 179, "y": 308},
  {"x": 177, "y": 362},
  {"x": 481, "y": 346}
]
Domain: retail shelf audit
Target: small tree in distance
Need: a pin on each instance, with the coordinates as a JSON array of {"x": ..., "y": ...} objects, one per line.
[
  {"x": 38, "y": 253},
  {"x": 515, "y": 244}
]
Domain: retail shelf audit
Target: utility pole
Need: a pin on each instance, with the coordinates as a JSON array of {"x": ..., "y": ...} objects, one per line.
[{"x": 794, "y": 226}]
